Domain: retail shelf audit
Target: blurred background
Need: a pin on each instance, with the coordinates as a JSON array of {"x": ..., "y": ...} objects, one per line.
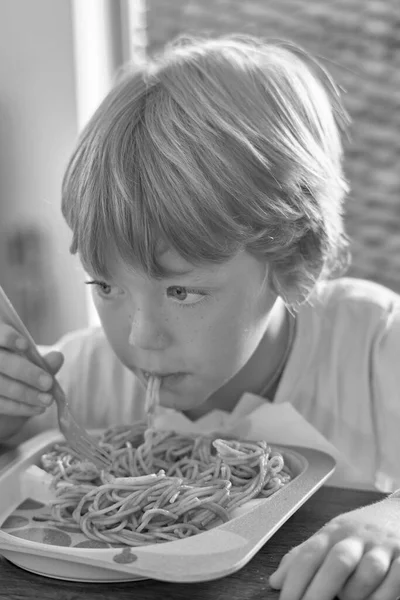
[{"x": 58, "y": 59}]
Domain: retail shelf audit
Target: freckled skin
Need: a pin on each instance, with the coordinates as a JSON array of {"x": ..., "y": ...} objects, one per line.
[{"x": 219, "y": 335}]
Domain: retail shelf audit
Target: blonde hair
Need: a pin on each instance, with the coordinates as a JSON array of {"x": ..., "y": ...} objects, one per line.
[{"x": 213, "y": 147}]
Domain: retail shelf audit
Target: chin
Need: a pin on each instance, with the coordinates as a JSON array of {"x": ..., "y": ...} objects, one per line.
[{"x": 184, "y": 401}]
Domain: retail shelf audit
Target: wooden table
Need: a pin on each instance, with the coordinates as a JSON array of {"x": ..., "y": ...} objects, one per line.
[{"x": 250, "y": 583}]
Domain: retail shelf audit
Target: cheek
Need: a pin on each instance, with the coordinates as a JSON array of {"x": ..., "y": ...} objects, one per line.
[
  {"x": 233, "y": 332},
  {"x": 114, "y": 324},
  {"x": 230, "y": 340}
]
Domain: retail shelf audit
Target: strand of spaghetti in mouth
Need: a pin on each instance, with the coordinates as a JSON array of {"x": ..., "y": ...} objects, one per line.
[
  {"x": 152, "y": 399},
  {"x": 162, "y": 485}
]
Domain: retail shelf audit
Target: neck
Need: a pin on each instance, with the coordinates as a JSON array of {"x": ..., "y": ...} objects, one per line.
[{"x": 258, "y": 370}]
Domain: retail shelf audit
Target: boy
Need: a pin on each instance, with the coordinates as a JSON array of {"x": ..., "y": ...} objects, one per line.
[{"x": 205, "y": 199}]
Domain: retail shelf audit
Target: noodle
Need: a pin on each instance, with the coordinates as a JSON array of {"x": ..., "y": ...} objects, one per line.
[
  {"x": 152, "y": 399},
  {"x": 162, "y": 485}
]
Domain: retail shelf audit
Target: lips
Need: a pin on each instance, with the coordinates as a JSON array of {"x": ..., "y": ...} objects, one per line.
[
  {"x": 148, "y": 374},
  {"x": 161, "y": 375},
  {"x": 171, "y": 381}
]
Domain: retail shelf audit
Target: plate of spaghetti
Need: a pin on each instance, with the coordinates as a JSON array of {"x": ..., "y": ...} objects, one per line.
[{"x": 167, "y": 499}]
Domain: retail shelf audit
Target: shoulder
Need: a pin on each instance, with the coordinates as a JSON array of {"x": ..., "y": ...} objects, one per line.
[
  {"x": 357, "y": 299},
  {"x": 349, "y": 316}
]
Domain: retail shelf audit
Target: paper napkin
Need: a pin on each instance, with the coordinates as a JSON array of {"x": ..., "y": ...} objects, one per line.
[{"x": 255, "y": 419}]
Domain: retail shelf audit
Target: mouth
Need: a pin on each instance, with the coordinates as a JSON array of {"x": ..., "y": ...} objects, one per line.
[{"x": 166, "y": 378}]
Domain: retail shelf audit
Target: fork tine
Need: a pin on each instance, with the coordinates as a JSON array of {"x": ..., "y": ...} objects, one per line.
[
  {"x": 104, "y": 458},
  {"x": 79, "y": 437},
  {"x": 98, "y": 453},
  {"x": 89, "y": 447},
  {"x": 78, "y": 433},
  {"x": 95, "y": 448},
  {"x": 86, "y": 447},
  {"x": 99, "y": 461}
]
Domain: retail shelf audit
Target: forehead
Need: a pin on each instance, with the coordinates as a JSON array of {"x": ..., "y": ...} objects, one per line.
[
  {"x": 243, "y": 268},
  {"x": 173, "y": 263}
]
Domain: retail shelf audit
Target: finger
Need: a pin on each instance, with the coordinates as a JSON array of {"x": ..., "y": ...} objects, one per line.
[
  {"x": 19, "y": 409},
  {"x": 369, "y": 574},
  {"x": 390, "y": 588},
  {"x": 21, "y": 369},
  {"x": 10, "y": 339},
  {"x": 20, "y": 392},
  {"x": 339, "y": 564},
  {"x": 300, "y": 571},
  {"x": 278, "y": 576},
  {"x": 55, "y": 361}
]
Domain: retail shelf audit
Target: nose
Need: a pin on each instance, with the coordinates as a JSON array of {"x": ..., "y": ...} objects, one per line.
[{"x": 148, "y": 331}]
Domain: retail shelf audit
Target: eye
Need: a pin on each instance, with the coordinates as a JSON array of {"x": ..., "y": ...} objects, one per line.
[
  {"x": 104, "y": 289},
  {"x": 185, "y": 295}
]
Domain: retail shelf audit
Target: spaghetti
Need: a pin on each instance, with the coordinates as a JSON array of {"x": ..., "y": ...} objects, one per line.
[
  {"x": 152, "y": 399},
  {"x": 162, "y": 486}
]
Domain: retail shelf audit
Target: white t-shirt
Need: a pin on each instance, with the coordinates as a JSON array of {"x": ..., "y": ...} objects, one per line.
[{"x": 342, "y": 376}]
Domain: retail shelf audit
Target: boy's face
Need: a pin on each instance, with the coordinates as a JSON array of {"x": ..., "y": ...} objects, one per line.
[{"x": 197, "y": 329}]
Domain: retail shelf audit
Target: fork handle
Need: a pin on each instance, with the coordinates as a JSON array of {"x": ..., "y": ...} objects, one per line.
[{"x": 10, "y": 316}]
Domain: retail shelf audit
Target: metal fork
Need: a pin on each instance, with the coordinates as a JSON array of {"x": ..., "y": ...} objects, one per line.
[{"x": 75, "y": 434}]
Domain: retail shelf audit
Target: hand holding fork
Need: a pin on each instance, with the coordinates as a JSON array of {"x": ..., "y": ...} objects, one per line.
[{"x": 21, "y": 369}]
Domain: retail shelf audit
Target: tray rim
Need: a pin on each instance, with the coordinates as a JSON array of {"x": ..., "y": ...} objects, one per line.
[{"x": 318, "y": 467}]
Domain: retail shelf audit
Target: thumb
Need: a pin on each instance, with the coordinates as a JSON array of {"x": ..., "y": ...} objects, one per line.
[{"x": 55, "y": 360}]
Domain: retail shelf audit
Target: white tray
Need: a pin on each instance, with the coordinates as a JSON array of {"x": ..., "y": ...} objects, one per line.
[{"x": 222, "y": 546}]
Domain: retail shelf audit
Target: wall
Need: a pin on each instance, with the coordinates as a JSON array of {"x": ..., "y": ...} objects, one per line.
[{"x": 38, "y": 126}]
